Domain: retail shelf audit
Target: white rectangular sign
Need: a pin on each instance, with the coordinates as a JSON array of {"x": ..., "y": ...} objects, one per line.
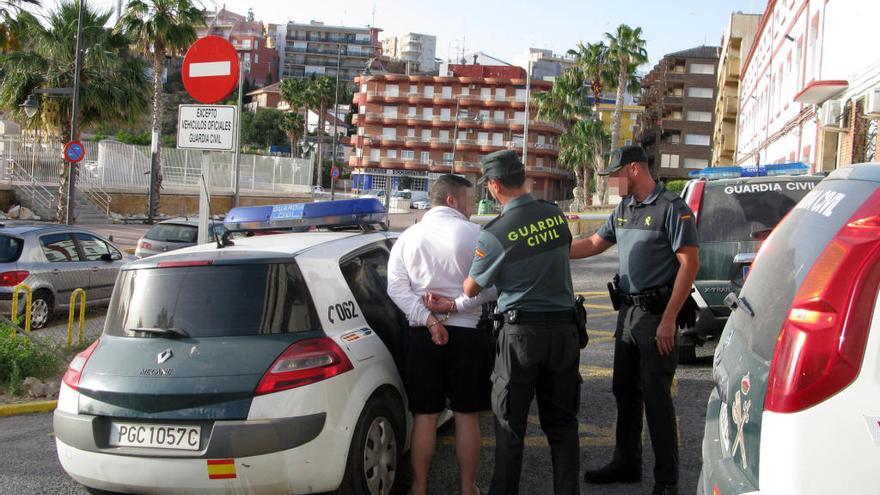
[{"x": 206, "y": 127}]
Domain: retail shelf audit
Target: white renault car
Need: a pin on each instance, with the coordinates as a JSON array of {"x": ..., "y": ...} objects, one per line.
[{"x": 265, "y": 366}]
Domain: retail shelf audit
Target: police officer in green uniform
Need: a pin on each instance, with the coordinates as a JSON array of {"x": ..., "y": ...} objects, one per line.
[
  {"x": 658, "y": 246},
  {"x": 524, "y": 253}
]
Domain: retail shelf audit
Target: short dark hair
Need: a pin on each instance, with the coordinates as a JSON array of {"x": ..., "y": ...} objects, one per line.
[
  {"x": 514, "y": 180},
  {"x": 446, "y": 185}
]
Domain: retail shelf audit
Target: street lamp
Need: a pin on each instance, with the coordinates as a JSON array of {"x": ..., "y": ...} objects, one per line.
[{"x": 30, "y": 106}]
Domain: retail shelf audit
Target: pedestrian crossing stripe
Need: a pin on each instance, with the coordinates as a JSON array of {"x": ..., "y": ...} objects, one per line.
[{"x": 221, "y": 469}]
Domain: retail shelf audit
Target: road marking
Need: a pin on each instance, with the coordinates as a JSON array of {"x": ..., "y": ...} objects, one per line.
[
  {"x": 592, "y": 293},
  {"x": 602, "y": 314},
  {"x": 598, "y": 306},
  {"x": 210, "y": 69},
  {"x": 594, "y": 372}
]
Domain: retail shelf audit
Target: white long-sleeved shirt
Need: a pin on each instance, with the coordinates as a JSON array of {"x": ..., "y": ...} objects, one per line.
[{"x": 435, "y": 256}]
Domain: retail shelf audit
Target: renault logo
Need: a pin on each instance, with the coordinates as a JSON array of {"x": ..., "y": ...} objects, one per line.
[{"x": 165, "y": 356}]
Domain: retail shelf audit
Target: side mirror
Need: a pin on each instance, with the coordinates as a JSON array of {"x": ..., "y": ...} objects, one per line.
[{"x": 110, "y": 257}]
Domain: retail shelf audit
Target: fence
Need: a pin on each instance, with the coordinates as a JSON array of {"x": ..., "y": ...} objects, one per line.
[{"x": 110, "y": 165}]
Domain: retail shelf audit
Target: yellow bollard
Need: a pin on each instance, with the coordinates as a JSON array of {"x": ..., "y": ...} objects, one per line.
[
  {"x": 82, "y": 316},
  {"x": 27, "y": 308}
]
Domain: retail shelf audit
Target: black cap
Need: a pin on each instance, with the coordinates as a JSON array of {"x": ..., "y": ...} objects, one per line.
[
  {"x": 623, "y": 156},
  {"x": 501, "y": 164}
]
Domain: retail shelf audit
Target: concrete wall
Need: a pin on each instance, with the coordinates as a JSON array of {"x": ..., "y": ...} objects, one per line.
[{"x": 188, "y": 204}]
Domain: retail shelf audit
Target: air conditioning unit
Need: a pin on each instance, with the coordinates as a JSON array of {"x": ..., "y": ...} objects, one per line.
[
  {"x": 872, "y": 103},
  {"x": 829, "y": 115}
]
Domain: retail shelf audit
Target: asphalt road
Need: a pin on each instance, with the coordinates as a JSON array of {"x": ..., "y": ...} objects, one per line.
[{"x": 28, "y": 464}]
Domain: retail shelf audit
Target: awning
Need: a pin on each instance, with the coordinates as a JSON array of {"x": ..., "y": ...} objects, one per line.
[{"x": 818, "y": 92}]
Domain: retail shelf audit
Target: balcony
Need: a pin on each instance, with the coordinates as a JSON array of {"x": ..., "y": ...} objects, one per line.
[{"x": 350, "y": 40}]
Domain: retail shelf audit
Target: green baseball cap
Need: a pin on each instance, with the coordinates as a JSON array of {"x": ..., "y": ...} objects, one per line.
[
  {"x": 623, "y": 156},
  {"x": 500, "y": 164}
]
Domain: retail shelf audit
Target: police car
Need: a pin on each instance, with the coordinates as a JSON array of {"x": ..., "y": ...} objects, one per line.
[
  {"x": 794, "y": 406},
  {"x": 735, "y": 208},
  {"x": 264, "y": 365}
]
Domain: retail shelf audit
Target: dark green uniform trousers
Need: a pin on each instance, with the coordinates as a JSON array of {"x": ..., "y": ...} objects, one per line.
[
  {"x": 643, "y": 377},
  {"x": 537, "y": 359}
]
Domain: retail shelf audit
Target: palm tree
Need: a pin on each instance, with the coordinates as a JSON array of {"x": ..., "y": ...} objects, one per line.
[
  {"x": 294, "y": 127},
  {"x": 626, "y": 50},
  {"x": 594, "y": 68},
  {"x": 322, "y": 95},
  {"x": 582, "y": 149},
  {"x": 159, "y": 28},
  {"x": 114, "y": 88},
  {"x": 293, "y": 91},
  {"x": 9, "y": 10}
]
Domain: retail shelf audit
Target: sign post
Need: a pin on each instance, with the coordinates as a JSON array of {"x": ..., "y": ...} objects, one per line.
[
  {"x": 210, "y": 72},
  {"x": 334, "y": 174}
]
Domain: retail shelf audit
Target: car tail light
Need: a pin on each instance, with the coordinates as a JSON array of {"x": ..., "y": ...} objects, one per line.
[
  {"x": 145, "y": 245},
  {"x": 696, "y": 198},
  {"x": 74, "y": 369},
  {"x": 13, "y": 278},
  {"x": 820, "y": 348},
  {"x": 183, "y": 264},
  {"x": 303, "y": 363}
]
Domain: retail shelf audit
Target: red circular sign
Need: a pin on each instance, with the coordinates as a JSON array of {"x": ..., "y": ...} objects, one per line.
[
  {"x": 210, "y": 69},
  {"x": 74, "y": 151}
]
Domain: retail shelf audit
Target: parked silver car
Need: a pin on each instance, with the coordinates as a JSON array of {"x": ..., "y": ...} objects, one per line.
[
  {"x": 176, "y": 233},
  {"x": 54, "y": 260}
]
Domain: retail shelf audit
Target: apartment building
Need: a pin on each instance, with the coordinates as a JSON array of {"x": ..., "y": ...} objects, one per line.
[
  {"x": 419, "y": 51},
  {"x": 317, "y": 49},
  {"x": 679, "y": 99},
  {"x": 736, "y": 42},
  {"x": 249, "y": 39},
  {"x": 423, "y": 126},
  {"x": 546, "y": 65}
]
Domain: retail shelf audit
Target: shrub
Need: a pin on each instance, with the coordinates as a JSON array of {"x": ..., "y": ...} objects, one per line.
[
  {"x": 676, "y": 185},
  {"x": 21, "y": 357}
]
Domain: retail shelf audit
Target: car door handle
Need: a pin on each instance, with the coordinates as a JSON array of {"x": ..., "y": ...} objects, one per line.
[{"x": 56, "y": 271}]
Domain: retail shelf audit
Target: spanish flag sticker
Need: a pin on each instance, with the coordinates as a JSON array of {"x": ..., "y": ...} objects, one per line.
[
  {"x": 221, "y": 469},
  {"x": 480, "y": 254}
]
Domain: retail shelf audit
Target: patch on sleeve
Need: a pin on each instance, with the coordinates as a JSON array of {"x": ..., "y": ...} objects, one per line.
[
  {"x": 479, "y": 254},
  {"x": 687, "y": 216}
]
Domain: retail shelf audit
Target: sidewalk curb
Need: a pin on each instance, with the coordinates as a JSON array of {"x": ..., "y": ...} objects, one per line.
[{"x": 27, "y": 408}]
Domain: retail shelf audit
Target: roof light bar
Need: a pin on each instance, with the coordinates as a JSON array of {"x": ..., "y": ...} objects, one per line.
[
  {"x": 773, "y": 169},
  {"x": 343, "y": 213}
]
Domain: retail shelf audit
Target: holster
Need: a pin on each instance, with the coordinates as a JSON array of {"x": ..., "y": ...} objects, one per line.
[
  {"x": 614, "y": 292},
  {"x": 580, "y": 318},
  {"x": 497, "y": 318}
]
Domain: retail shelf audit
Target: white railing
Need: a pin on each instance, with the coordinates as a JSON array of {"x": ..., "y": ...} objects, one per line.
[
  {"x": 89, "y": 184},
  {"x": 30, "y": 188}
]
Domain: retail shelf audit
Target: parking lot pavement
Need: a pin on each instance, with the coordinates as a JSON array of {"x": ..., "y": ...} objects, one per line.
[{"x": 30, "y": 465}]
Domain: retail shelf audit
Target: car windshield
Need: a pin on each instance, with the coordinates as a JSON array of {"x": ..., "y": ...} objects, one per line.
[
  {"x": 10, "y": 248},
  {"x": 172, "y": 232},
  {"x": 212, "y": 301},
  {"x": 733, "y": 212}
]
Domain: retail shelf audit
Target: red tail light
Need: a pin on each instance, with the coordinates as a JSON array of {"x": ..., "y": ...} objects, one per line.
[
  {"x": 820, "y": 348},
  {"x": 13, "y": 278},
  {"x": 303, "y": 363},
  {"x": 74, "y": 369},
  {"x": 696, "y": 198},
  {"x": 146, "y": 245}
]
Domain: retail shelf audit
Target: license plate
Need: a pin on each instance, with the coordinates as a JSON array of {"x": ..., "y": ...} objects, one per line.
[{"x": 155, "y": 436}]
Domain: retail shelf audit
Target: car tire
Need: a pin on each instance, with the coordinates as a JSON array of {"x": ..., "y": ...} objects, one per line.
[
  {"x": 42, "y": 306},
  {"x": 95, "y": 491},
  {"x": 376, "y": 454}
]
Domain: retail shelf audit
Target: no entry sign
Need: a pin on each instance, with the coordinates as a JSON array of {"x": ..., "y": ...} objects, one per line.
[{"x": 210, "y": 69}]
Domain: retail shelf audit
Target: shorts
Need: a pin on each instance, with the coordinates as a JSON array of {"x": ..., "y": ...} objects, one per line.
[{"x": 458, "y": 371}]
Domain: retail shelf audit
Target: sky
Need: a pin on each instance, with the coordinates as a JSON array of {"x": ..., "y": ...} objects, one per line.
[{"x": 507, "y": 29}]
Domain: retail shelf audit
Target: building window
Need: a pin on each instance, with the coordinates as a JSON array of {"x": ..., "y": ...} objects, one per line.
[
  {"x": 465, "y": 91},
  {"x": 520, "y": 94},
  {"x": 256, "y": 58},
  {"x": 462, "y": 134},
  {"x": 695, "y": 163},
  {"x": 700, "y": 116},
  {"x": 374, "y": 155},
  {"x": 483, "y": 138},
  {"x": 426, "y": 157},
  {"x": 359, "y": 152},
  {"x": 445, "y": 114},
  {"x": 408, "y": 155},
  {"x": 697, "y": 139},
  {"x": 389, "y": 111},
  {"x": 539, "y": 162},
  {"x": 486, "y": 93},
  {"x": 426, "y": 135},
  {"x": 500, "y": 93},
  {"x": 391, "y": 153},
  {"x": 499, "y": 116},
  {"x": 412, "y": 112},
  {"x": 447, "y": 91},
  {"x": 519, "y": 117},
  {"x": 429, "y": 91},
  {"x": 427, "y": 113},
  {"x": 392, "y": 90},
  {"x": 447, "y": 158},
  {"x": 674, "y": 139},
  {"x": 360, "y": 131},
  {"x": 389, "y": 132},
  {"x": 700, "y": 92},
  {"x": 497, "y": 139},
  {"x": 702, "y": 69},
  {"x": 444, "y": 136},
  {"x": 485, "y": 115},
  {"x": 410, "y": 132},
  {"x": 668, "y": 161}
]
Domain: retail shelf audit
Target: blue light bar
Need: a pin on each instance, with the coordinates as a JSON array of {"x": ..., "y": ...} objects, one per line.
[
  {"x": 343, "y": 213},
  {"x": 710, "y": 173}
]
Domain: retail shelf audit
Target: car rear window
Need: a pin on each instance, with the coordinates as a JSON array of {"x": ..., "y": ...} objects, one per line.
[
  {"x": 10, "y": 248},
  {"x": 170, "y": 232},
  {"x": 212, "y": 301},
  {"x": 732, "y": 212},
  {"x": 789, "y": 254}
]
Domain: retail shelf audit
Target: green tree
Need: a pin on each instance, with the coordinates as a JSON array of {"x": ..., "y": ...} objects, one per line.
[
  {"x": 323, "y": 94},
  {"x": 294, "y": 92},
  {"x": 113, "y": 90},
  {"x": 583, "y": 149},
  {"x": 594, "y": 68},
  {"x": 159, "y": 28},
  {"x": 626, "y": 50},
  {"x": 292, "y": 124},
  {"x": 9, "y": 10},
  {"x": 263, "y": 129}
]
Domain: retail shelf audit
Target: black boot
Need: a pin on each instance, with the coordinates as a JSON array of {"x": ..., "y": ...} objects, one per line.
[
  {"x": 664, "y": 489},
  {"x": 614, "y": 473}
]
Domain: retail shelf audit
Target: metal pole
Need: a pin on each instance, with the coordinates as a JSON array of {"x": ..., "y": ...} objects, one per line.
[
  {"x": 335, "y": 122},
  {"x": 528, "y": 117},
  {"x": 235, "y": 164},
  {"x": 74, "y": 130},
  {"x": 455, "y": 132}
]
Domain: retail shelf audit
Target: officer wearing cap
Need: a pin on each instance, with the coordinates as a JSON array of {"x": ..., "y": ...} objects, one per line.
[
  {"x": 658, "y": 246},
  {"x": 524, "y": 253}
]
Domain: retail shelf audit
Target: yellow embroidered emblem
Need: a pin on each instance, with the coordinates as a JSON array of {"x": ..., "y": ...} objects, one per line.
[{"x": 648, "y": 221}]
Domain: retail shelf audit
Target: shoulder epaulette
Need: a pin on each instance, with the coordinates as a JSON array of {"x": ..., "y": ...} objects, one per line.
[{"x": 493, "y": 221}]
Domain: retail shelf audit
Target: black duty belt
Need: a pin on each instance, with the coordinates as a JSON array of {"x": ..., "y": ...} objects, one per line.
[{"x": 533, "y": 317}]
